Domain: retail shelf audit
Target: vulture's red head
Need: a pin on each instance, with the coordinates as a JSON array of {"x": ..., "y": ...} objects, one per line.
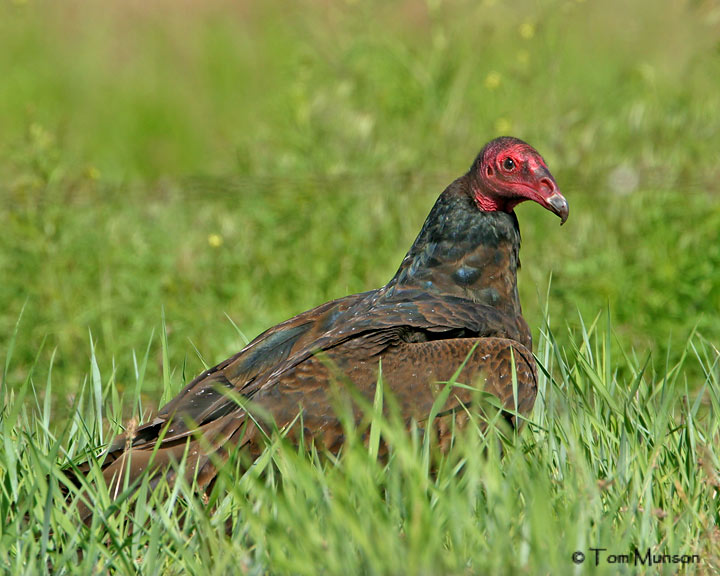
[{"x": 509, "y": 171}]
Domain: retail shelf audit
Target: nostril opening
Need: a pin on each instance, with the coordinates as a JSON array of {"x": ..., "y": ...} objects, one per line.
[{"x": 548, "y": 185}]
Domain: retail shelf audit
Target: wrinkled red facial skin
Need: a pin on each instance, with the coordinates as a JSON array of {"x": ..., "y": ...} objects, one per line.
[{"x": 497, "y": 188}]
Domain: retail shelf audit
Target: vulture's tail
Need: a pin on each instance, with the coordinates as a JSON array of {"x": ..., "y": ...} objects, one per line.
[{"x": 148, "y": 451}]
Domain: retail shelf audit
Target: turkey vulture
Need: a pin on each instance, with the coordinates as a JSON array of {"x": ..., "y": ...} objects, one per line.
[{"x": 453, "y": 299}]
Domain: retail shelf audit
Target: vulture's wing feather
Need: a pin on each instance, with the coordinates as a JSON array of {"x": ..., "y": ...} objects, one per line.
[{"x": 371, "y": 320}]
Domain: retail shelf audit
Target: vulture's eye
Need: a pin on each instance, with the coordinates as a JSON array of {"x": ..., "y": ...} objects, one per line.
[{"x": 508, "y": 164}]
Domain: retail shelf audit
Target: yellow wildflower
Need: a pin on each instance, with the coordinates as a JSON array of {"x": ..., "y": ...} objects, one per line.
[
  {"x": 527, "y": 30},
  {"x": 503, "y": 126},
  {"x": 215, "y": 240},
  {"x": 493, "y": 80}
]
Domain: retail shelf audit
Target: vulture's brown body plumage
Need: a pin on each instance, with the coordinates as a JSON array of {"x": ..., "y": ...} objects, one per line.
[{"x": 453, "y": 298}]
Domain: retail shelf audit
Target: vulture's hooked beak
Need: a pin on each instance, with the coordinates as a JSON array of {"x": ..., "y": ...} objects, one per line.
[
  {"x": 550, "y": 195},
  {"x": 559, "y": 205}
]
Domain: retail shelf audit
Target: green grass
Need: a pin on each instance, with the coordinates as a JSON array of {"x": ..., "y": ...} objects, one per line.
[
  {"x": 256, "y": 159},
  {"x": 604, "y": 462}
]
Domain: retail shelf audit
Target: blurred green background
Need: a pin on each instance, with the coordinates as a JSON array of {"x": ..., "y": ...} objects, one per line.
[{"x": 256, "y": 159}]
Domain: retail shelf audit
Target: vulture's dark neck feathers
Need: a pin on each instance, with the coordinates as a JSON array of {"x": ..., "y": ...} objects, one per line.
[{"x": 464, "y": 251}]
